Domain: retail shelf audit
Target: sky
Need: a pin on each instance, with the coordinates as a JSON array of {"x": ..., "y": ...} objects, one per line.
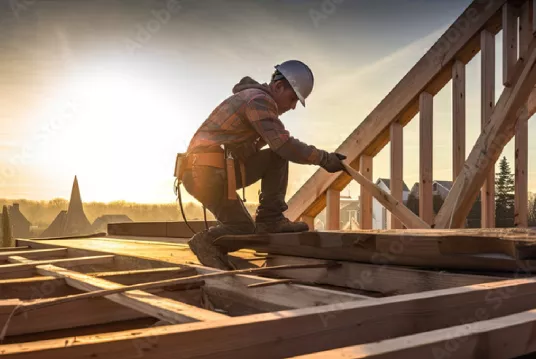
[{"x": 111, "y": 90}]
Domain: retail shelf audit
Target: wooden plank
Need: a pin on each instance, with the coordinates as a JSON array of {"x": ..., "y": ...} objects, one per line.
[
  {"x": 488, "y": 104},
  {"x": 67, "y": 262},
  {"x": 431, "y": 73},
  {"x": 18, "y": 259},
  {"x": 397, "y": 172},
  {"x": 46, "y": 287},
  {"x": 365, "y": 197},
  {"x": 385, "y": 279},
  {"x": 458, "y": 118},
  {"x": 157, "y": 229},
  {"x": 35, "y": 254},
  {"x": 509, "y": 18},
  {"x": 521, "y": 199},
  {"x": 426, "y": 146},
  {"x": 408, "y": 249},
  {"x": 310, "y": 220},
  {"x": 307, "y": 330},
  {"x": 13, "y": 249},
  {"x": 389, "y": 202},
  {"x": 152, "y": 305},
  {"x": 505, "y": 337},
  {"x": 226, "y": 290},
  {"x": 496, "y": 134},
  {"x": 333, "y": 210}
]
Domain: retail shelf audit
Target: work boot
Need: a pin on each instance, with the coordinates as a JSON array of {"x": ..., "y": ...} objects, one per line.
[
  {"x": 281, "y": 226},
  {"x": 207, "y": 253}
]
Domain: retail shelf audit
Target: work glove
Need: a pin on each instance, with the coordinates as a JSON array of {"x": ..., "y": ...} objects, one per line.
[{"x": 333, "y": 162}]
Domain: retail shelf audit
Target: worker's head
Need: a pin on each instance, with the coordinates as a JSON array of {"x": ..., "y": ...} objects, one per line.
[{"x": 292, "y": 81}]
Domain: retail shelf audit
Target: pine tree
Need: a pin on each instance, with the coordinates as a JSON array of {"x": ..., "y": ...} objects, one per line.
[{"x": 504, "y": 195}]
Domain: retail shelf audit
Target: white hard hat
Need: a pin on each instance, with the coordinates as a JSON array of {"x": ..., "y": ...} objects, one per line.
[{"x": 299, "y": 76}]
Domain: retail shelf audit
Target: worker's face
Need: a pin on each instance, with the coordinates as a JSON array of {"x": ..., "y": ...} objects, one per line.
[{"x": 284, "y": 96}]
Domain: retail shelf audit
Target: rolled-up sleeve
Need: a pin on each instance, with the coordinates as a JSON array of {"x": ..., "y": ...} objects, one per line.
[{"x": 261, "y": 112}]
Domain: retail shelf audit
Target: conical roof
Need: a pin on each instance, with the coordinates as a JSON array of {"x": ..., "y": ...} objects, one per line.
[{"x": 76, "y": 221}]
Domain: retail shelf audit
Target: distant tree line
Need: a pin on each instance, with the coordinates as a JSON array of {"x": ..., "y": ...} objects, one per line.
[{"x": 42, "y": 213}]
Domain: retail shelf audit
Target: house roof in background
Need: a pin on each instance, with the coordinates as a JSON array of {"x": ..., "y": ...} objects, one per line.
[{"x": 387, "y": 182}]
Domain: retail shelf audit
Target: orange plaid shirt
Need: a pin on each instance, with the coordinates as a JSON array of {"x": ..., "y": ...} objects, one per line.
[{"x": 247, "y": 121}]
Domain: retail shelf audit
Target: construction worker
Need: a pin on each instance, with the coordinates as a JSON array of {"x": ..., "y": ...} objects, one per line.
[{"x": 226, "y": 153}]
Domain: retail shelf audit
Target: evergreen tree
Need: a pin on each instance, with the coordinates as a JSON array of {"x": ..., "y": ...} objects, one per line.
[{"x": 504, "y": 195}]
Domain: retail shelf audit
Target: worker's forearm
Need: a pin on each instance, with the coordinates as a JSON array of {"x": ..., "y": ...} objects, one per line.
[{"x": 296, "y": 151}]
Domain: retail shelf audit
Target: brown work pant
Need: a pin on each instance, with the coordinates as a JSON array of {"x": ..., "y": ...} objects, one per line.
[{"x": 209, "y": 186}]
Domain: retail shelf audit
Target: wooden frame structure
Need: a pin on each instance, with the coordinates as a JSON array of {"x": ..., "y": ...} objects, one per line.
[
  {"x": 399, "y": 311},
  {"x": 473, "y": 32}
]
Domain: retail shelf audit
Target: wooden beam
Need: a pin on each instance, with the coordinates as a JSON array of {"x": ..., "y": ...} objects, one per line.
[
  {"x": 488, "y": 104},
  {"x": 397, "y": 172},
  {"x": 229, "y": 289},
  {"x": 307, "y": 330},
  {"x": 426, "y": 145},
  {"x": 397, "y": 208},
  {"x": 509, "y": 18},
  {"x": 385, "y": 279},
  {"x": 310, "y": 220},
  {"x": 495, "y": 135},
  {"x": 521, "y": 198},
  {"x": 23, "y": 268},
  {"x": 408, "y": 249},
  {"x": 365, "y": 197},
  {"x": 430, "y": 74},
  {"x": 157, "y": 229},
  {"x": 144, "y": 302},
  {"x": 458, "y": 118},
  {"x": 35, "y": 254},
  {"x": 505, "y": 337},
  {"x": 46, "y": 287},
  {"x": 333, "y": 209}
]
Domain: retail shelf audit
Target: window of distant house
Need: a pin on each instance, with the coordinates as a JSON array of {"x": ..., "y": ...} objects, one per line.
[{"x": 384, "y": 218}]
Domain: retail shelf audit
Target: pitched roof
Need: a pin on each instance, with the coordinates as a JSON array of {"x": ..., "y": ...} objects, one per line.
[
  {"x": 16, "y": 216},
  {"x": 446, "y": 184},
  {"x": 55, "y": 229},
  {"x": 387, "y": 182}
]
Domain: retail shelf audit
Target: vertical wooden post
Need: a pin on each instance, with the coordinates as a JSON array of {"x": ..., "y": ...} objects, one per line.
[
  {"x": 310, "y": 220},
  {"x": 487, "y": 44},
  {"x": 397, "y": 158},
  {"x": 509, "y": 21},
  {"x": 7, "y": 234},
  {"x": 365, "y": 199},
  {"x": 333, "y": 209},
  {"x": 522, "y": 135},
  {"x": 533, "y": 6},
  {"x": 426, "y": 205},
  {"x": 458, "y": 118}
]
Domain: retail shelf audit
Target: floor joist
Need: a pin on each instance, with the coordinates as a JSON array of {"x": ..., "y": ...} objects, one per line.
[
  {"x": 302, "y": 331},
  {"x": 158, "y": 307}
]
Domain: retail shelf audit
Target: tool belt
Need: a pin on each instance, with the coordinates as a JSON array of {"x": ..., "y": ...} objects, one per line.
[{"x": 223, "y": 160}]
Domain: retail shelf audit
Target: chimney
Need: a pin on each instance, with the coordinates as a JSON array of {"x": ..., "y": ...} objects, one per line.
[{"x": 16, "y": 206}]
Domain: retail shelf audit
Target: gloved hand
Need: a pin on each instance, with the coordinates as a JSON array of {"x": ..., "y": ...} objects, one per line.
[{"x": 333, "y": 162}]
